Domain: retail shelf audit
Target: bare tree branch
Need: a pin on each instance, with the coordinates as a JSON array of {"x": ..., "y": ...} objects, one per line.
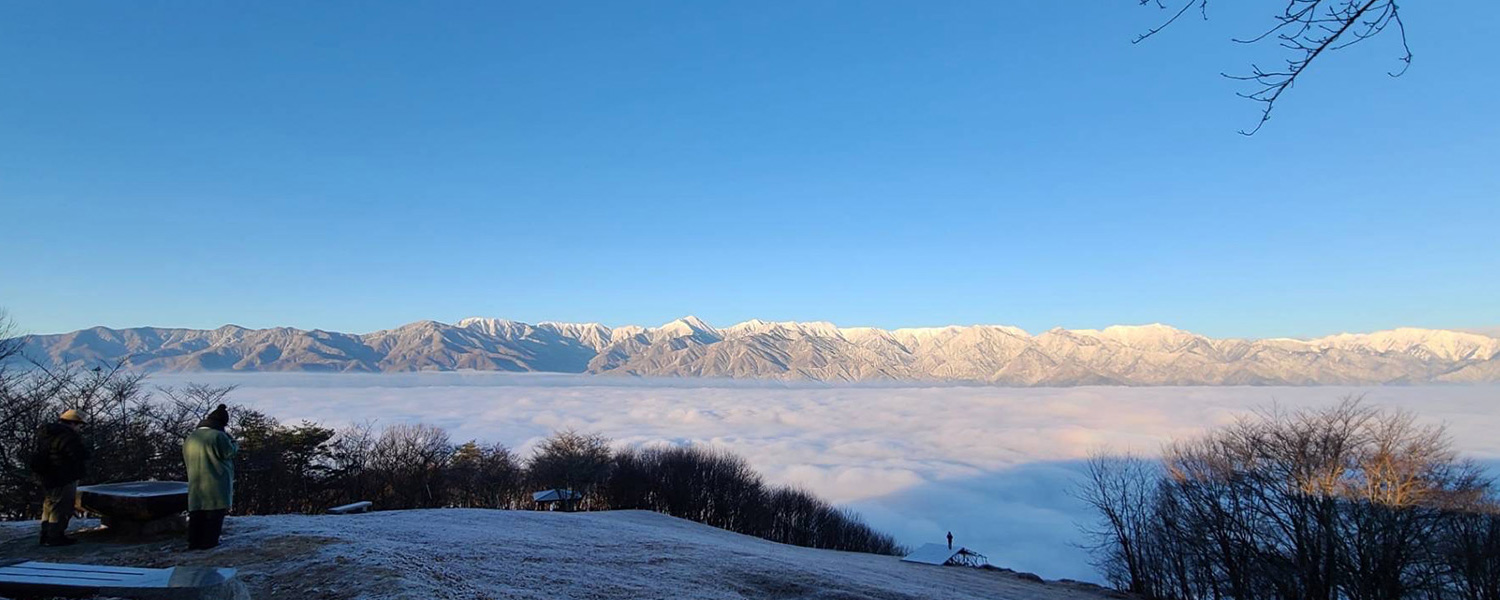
[{"x": 1307, "y": 28}]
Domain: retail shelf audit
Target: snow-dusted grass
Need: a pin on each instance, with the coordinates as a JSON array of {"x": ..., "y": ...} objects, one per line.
[
  {"x": 990, "y": 464},
  {"x": 480, "y": 554}
]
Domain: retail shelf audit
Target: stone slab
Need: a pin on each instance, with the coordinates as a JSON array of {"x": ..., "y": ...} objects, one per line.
[
  {"x": 43, "y": 579},
  {"x": 135, "y": 500},
  {"x": 131, "y": 528}
]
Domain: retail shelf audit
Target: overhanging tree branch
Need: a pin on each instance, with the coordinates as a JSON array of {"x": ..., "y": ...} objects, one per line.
[{"x": 1307, "y": 28}]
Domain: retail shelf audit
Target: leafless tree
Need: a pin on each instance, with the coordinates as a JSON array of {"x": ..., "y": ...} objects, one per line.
[
  {"x": 351, "y": 459},
  {"x": 1306, "y": 29},
  {"x": 1122, "y": 491},
  {"x": 183, "y": 407},
  {"x": 10, "y": 341},
  {"x": 484, "y": 476},
  {"x": 412, "y": 460},
  {"x": 1469, "y": 551},
  {"x": 571, "y": 460},
  {"x": 1348, "y": 502}
]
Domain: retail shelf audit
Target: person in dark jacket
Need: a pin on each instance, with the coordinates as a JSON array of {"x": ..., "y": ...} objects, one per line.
[
  {"x": 209, "y": 454},
  {"x": 58, "y": 463}
]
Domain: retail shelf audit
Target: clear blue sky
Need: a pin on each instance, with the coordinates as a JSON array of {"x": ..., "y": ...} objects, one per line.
[{"x": 358, "y": 165}]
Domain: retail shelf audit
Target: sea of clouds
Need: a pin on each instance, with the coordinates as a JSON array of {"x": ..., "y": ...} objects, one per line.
[{"x": 992, "y": 465}]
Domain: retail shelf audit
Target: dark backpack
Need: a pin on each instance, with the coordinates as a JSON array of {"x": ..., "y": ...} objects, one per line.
[
  {"x": 39, "y": 464},
  {"x": 40, "y": 461}
]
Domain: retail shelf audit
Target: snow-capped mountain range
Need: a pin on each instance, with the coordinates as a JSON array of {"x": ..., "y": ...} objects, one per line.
[{"x": 816, "y": 351}]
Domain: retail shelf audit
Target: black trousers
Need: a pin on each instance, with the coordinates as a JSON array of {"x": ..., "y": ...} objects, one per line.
[{"x": 204, "y": 527}]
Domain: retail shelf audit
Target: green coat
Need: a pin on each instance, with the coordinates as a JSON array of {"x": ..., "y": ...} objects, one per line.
[{"x": 209, "y": 454}]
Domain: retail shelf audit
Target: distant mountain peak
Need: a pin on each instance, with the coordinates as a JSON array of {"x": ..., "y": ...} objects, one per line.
[
  {"x": 483, "y": 321},
  {"x": 689, "y": 326},
  {"x": 690, "y": 322}
]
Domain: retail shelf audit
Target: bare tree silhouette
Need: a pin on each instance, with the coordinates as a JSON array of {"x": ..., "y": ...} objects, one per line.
[
  {"x": 1345, "y": 502},
  {"x": 10, "y": 338},
  {"x": 1307, "y": 29}
]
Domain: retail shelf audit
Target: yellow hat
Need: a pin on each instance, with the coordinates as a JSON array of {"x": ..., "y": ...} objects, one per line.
[{"x": 72, "y": 416}]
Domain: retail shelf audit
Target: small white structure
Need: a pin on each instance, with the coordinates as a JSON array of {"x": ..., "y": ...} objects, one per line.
[
  {"x": 556, "y": 497},
  {"x": 938, "y": 554}
]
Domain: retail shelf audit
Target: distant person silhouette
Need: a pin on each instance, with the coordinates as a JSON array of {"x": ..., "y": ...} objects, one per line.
[{"x": 950, "y": 540}]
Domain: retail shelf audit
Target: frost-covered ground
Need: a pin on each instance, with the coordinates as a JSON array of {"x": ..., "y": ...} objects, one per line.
[
  {"x": 484, "y": 554},
  {"x": 993, "y": 465}
]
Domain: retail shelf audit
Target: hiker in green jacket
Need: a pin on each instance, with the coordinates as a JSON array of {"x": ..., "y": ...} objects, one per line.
[{"x": 209, "y": 454}]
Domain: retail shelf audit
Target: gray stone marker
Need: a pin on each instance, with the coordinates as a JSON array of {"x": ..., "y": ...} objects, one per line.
[{"x": 34, "y": 579}]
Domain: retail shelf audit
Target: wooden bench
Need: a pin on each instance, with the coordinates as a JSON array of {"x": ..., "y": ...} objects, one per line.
[
  {"x": 33, "y": 579},
  {"x": 352, "y": 507}
]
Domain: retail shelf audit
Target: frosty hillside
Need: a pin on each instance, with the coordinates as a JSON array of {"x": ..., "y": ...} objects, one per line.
[{"x": 465, "y": 553}]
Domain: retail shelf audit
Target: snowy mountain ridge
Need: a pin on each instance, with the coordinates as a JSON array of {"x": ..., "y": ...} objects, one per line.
[{"x": 1153, "y": 354}]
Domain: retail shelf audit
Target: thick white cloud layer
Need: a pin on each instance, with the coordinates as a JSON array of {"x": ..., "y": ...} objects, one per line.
[{"x": 993, "y": 465}]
